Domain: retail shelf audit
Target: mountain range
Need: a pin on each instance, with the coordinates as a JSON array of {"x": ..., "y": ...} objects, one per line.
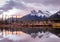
[{"x": 38, "y": 15}]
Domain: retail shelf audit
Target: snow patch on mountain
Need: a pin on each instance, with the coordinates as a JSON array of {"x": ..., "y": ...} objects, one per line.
[{"x": 40, "y": 13}]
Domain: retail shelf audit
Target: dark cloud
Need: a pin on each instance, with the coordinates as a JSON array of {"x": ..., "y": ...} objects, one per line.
[
  {"x": 52, "y": 2},
  {"x": 34, "y": 1},
  {"x": 44, "y": 1},
  {"x": 49, "y": 4},
  {"x": 17, "y": 3},
  {"x": 14, "y": 4},
  {"x": 10, "y": 4}
]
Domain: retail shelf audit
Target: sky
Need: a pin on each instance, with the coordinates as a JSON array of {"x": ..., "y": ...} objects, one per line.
[{"x": 23, "y": 7}]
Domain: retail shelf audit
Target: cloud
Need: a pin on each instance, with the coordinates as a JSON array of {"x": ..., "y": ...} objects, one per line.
[
  {"x": 2, "y": 2},
  {"x": 57, "y": 2},
  {"x": 10, "y": 12},
  {"x": 28, "y": 5},
  {"x": 10, "y": 4},
  {"x": 50, "y": 4}
]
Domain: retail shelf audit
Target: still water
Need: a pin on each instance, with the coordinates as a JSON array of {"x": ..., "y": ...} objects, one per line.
[
  {"x": 18, "y": 31},
  {"x": 22, "y": 35}
]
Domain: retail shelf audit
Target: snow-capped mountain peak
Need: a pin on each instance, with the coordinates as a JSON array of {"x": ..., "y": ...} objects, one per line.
[{"x": 40, "y": 13}]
